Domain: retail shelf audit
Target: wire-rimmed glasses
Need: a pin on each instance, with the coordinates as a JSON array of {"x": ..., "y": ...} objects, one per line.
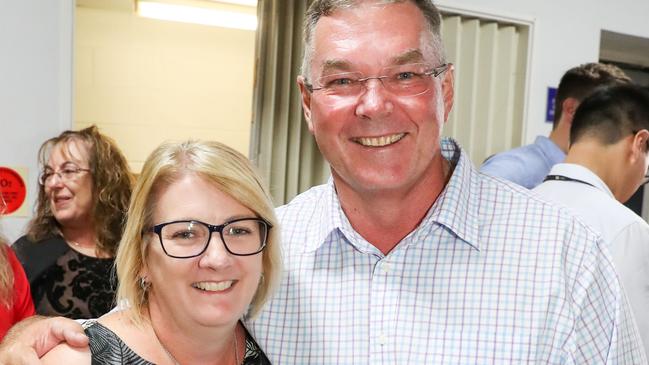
[
  {"x": 402, "y": 80},
  {"x": 190, "y": 238},
  {"x": 67, "y": 173}
]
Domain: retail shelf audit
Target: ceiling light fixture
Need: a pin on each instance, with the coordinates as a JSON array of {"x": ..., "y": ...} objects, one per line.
[
  {"x": 252, "y": 3},
  {"x": 196, "y": 15}
]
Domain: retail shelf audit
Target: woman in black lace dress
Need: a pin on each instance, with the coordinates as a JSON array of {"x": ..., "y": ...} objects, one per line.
[
  {"x": 199, "y": 253},
  {"x": 68, "y": 252}
]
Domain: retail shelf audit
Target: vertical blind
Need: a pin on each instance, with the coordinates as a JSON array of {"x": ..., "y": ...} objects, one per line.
[
  {"x": 490, "y": 60},
  {"x": 490, "y": 68}
]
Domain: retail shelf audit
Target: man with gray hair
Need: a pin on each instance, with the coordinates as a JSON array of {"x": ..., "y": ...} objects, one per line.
[{"x": 408, "y": 255}]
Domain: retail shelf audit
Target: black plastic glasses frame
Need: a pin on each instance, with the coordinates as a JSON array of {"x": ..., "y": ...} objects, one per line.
[{"x": 157, "y": 229}]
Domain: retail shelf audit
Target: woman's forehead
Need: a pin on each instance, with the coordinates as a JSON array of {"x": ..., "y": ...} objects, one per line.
[{"x": 72, "y": 150}]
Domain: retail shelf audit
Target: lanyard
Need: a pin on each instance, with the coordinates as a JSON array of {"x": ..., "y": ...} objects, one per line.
[{"x": 565, "y": 178}]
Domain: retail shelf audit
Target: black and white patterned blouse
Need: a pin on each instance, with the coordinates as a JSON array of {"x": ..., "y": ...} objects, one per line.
[{"x": 108, "y": 349}]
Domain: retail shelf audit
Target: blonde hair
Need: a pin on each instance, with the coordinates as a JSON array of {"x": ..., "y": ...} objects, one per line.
[
  {"x": 6, "y": 276},
  {"x": 6, "y": 272},
  {"x": 229, "y": 171}
]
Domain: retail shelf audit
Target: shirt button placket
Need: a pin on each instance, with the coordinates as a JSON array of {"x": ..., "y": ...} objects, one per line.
[{"x": 380, "y": 312}]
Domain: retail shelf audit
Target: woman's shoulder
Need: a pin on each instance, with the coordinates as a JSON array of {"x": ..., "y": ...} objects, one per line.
[
  {"x": 26, "y": 245},
  {"x": 37, "y": 256},
  {"x": 108, "y": 348}
]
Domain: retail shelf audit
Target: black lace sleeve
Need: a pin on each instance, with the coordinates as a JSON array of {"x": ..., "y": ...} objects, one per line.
[{"x": 65, "y": 282}]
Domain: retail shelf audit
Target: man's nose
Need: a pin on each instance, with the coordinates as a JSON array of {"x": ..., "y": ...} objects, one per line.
[{"x": 375, "y": 101}]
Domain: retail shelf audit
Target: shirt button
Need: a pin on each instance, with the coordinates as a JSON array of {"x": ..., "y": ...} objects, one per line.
[
  {"x": 385, "y": 267},
  {"x": 382, "y": 339}
]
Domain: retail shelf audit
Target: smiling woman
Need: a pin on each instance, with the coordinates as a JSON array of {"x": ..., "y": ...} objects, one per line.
[
  {"x": 199, "y": 253},
  {"x": 69, "y": 249}
]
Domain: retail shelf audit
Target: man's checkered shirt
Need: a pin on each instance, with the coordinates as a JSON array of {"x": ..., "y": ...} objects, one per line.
[{"x": 492, "y": 275}]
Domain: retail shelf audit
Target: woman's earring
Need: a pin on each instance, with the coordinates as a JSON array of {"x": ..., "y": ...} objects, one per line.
[{"x": 144, "y": 285}]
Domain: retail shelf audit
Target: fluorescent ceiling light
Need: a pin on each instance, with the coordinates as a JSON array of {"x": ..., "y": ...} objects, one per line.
[
  {"x": 238, "y": 2},
  {"x": 196, "y": 15}
]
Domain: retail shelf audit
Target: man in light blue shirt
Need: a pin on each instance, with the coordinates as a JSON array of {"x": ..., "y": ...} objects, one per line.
[{"x": 528, "y": 165}]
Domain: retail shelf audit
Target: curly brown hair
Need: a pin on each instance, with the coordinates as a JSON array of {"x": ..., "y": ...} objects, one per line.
[{"x": 112, "y": 185}]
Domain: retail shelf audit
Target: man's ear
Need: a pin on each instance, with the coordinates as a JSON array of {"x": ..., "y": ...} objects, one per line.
[
  {"x": 448, "y": 90},
  {"x": 639, "y": 144},
  {"x": 306, "y": 101},
  {"x": 568, "y": 109}
]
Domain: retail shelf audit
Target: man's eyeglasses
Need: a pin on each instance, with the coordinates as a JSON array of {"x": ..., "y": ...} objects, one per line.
[
  {"x": 66, "y": 174},
  {"x": 190, "y": 238},
  {"x": 403, "y": 80}
]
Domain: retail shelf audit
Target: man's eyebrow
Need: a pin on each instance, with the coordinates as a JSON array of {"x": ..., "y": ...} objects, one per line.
[
  {"x": 335, "y": 65},
  {"x": 338, "y": 65},
  {"x": 411, "y": 56}
]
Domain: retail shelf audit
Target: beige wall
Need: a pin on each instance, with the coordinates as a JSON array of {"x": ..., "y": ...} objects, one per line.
[{"x": 144, "y": 81}]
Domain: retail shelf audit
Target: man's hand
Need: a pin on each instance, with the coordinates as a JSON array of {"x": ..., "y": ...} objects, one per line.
[{"x": 35, "y": 336}]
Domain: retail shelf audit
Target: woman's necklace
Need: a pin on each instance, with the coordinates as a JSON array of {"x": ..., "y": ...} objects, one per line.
[
  {"x": 88, "y": 250},
  {"x": 77, "y": 244},
  {"x": 173, "y": 359}
]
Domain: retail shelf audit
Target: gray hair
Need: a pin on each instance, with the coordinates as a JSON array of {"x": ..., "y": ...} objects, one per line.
[{"x": 320, "y": 8}]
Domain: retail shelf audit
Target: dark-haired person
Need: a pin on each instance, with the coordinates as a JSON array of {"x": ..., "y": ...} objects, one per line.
[
  {"x": 528, "y": 165},
  {"x": 606, "y": 163},
  {"x": 69, "y": 249}
]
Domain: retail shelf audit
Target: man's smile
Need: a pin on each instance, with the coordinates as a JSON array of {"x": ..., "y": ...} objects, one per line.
[{"x": 379, "y": 141}]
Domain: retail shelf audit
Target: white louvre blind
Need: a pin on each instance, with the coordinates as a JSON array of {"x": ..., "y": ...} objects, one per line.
[{"x": 490, "y": 61}]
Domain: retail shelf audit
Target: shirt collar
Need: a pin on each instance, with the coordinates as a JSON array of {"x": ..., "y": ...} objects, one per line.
[
  {"x": 455, "y": 208},
  {"x": 548, "y": 147},
  {"x": 582, "y": 173}
]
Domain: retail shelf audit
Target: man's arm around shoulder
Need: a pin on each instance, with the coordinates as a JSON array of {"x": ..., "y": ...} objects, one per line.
[{"x": 35, "y": 336}]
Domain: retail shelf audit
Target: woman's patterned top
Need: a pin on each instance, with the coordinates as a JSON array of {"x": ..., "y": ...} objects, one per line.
[
  {"x": 65, "y": 282},
  {"x": 108, "y": 349}
]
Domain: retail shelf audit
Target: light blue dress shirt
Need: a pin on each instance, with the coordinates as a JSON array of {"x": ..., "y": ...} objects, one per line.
[
  {"x": 492, "y": 275},
  {"x": 526, "y": 165}
]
